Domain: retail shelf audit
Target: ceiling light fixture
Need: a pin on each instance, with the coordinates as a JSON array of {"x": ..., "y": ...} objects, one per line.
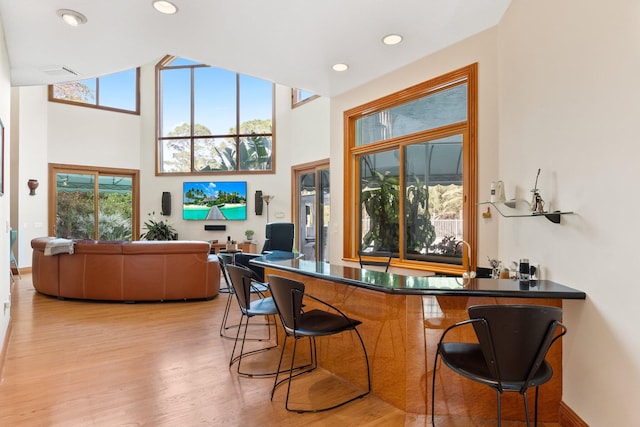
[
  {"x": 392, "y": 39},
  {"x": 72, "y": 17},
  {"x": 340, "y": 67},
  {"x": 164, "y": 6}
]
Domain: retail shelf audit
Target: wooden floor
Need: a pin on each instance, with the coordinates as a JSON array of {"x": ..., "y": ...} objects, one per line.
[{"x": 73, "y": 363}]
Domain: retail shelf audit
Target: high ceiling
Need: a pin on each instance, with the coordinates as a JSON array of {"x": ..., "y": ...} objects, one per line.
[{"x": 291, "y": 42}]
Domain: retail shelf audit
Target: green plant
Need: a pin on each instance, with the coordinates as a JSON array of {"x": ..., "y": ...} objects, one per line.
[
  {"x": 158, "y": 229},
  {"x": 249, "y": 234},
  {"x": 419, "y": 230},
  {"x": 382, "y": 207}
]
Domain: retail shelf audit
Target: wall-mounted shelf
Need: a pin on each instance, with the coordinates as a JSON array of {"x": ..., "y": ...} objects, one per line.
[{"x": 518, "y": 208}]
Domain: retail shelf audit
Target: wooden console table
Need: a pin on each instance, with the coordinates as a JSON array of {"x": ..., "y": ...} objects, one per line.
[{"x": 249, "y": 248}]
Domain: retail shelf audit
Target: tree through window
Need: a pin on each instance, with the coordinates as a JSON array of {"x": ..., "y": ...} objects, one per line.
[{"x": 212, "y": 120}]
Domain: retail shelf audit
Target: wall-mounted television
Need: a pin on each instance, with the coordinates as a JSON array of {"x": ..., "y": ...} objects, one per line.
[{"x": 214, "y": 200}]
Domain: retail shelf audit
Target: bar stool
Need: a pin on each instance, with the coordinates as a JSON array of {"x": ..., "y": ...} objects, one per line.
[
  {"x": 288, "y": 296},
  {"x": 513, "y": 341}
]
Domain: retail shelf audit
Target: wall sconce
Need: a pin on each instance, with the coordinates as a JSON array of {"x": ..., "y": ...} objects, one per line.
[{"x": 33, "y": 184}]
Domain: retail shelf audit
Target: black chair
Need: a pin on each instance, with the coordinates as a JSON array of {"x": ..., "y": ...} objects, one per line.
[
  {"x": 256, "y": 288},
  {"x": 377, "y": 258},
  {"x": 278, "y": 237},
  {"x": 262, "y": 306},
  {"x": 513, "y": 341},
  {"x": 244, "y": 259},
  {"x": 288, "y": 295}
]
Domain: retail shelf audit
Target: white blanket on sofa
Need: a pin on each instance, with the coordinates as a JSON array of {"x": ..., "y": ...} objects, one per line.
[{"x": 58, "y": 246}]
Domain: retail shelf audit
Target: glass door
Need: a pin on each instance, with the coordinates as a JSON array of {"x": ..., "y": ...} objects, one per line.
[
  {"x": 312, "y": 207},
  {"x": 93, "y": 204}
]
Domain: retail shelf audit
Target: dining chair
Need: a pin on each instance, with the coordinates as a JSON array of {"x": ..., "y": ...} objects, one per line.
[
  {"x": 299, "y": 323},
  {"x": 257, "y": 288},
  {"x": 241, "y": 282},
  {"x": 513, "y": 341},
  {"x": 376, "y": 258}
]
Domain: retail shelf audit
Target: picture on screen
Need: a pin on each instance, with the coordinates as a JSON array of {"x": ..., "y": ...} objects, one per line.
[{"x": 214, "y": 200}]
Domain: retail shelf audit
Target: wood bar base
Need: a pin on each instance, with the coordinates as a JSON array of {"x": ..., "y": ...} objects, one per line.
[{"x": 401, "y": 333}]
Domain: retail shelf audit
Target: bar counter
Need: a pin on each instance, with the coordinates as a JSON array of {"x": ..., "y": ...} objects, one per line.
[
  {"x": 418, "y": 285},
  {"x": 403, "y": 318}
]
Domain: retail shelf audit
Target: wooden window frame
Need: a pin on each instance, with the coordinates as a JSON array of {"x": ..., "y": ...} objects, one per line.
[
  {"x": 351, "y": 217},
  {"x": 56, "y": 168},
  {"x": 164, "y": 63},
  {"x": 96, "y": 105}
]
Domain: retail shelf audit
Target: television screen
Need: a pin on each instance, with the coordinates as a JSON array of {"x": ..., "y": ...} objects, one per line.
[{"x": 214, "y": 200}]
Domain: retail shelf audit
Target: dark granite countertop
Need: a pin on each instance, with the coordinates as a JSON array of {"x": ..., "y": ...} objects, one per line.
[{"x": 417, "y": 285}]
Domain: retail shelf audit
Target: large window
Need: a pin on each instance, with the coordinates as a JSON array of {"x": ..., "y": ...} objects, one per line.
[
  {"x": 411, "y": 162},
  {"x": 212, "y": 120},
  {"x": 93, "y": 203},
  {"x": 115, "y": 92},
  {"x": 300, "y": 97}
]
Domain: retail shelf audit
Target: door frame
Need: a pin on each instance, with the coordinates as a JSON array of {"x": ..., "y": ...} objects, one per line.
[{"x": 296, "y": 171}]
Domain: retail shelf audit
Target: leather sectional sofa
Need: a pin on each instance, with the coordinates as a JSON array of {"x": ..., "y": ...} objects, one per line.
[{"x": 126, "y": 271}]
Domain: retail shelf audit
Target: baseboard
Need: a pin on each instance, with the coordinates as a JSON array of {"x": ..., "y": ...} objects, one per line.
[{"x": 568, "y": 418}]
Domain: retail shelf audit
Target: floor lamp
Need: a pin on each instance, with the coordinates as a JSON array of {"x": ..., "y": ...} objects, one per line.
[{"x": 267, "y": 199}]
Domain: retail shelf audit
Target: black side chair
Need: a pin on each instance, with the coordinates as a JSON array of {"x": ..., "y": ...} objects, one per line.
[
  {"x": 256, "y": 288},
  {"x": 288, "y": 295},
  {"x": 244, "y": 259},
  {"x": 377, "y": 258},
  {"x": 262, "y": 306},
  {"x": 278, "y": 237},
  {"x": 513, "y": 341}
]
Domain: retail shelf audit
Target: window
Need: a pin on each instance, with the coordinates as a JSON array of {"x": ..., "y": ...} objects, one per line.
[
  {"x": 115, "y": 92},
  {"x": 300, "y": 97},
  {"x": 93, "y": 203},
  {"x": 212, "y": 120},
  {"x": 411, "y": 160}
]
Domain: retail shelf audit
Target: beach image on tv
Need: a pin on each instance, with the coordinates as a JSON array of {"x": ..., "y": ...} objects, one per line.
[{"x": 214, "y": 201}]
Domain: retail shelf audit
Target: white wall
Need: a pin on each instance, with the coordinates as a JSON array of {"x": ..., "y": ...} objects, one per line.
[
  {"x": 569, "y": 105},
  {"x": 29, "y": 213},
  {"x": 5, "y": 205}
]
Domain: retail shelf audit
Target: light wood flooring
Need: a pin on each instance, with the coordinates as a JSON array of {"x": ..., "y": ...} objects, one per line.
[{"x": 74, "y": 363}]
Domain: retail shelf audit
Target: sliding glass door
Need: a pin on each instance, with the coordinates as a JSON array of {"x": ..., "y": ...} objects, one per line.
[{"x": 87, "y": 203}]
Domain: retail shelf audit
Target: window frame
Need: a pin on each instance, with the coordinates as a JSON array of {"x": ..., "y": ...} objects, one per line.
[
  {"x": 96, "y": 105},
  {"x": 164, "y": 63},
  {"x": 352, "y": 153},
  {"x": 58, "y": 168},
  {"x": 294, "y": 98}
]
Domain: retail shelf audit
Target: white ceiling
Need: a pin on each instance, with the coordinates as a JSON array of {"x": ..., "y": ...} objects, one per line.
[{"x": 291, "y": 42}]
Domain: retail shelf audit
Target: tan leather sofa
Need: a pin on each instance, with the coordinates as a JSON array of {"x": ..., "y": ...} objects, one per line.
[{"x": 127, "y": 271}]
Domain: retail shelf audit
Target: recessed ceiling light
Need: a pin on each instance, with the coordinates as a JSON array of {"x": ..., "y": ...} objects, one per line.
[
  {"x": 72, "y": 17},
  {"x": 340, "y": 67},
  {"x": 164, "y": 6},
  {"x": 392, "y": 39}
]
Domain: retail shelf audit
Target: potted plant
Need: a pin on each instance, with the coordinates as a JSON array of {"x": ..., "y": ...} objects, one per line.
[
  {"x": 158, "y": 229},
  {"x": 249, "y": 235}
]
